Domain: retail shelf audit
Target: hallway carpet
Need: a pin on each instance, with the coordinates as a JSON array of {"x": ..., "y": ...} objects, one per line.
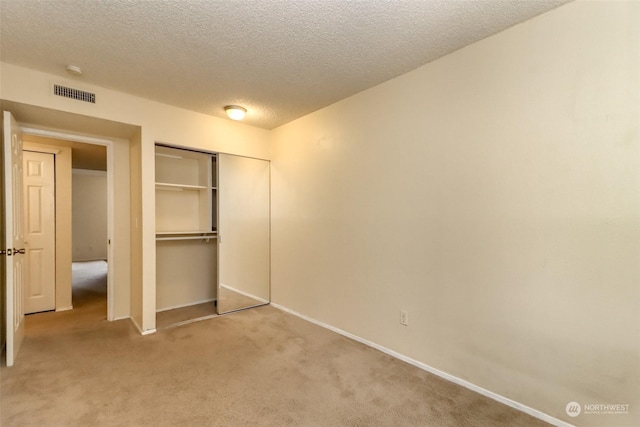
[{"x": 259, "y": 367}]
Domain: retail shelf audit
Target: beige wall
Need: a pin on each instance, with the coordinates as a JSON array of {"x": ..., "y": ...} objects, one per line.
[
  {"x": 121, "y": 256},
  {"x": 159, "y": 123},
  {"x": 89, "y": 218},
  {"x": 135, "y": 296},
  {"x": 493, "y": 194}
]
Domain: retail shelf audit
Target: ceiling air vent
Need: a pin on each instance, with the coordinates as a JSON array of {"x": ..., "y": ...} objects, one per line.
[{"x": 79, "y": 95}]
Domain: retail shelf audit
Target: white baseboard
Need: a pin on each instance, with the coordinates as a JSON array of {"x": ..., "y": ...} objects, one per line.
[
  {"x": 67, "y": 308},
  {"x": 466, "y": 384},
  {"x": 149, "y": 332}
]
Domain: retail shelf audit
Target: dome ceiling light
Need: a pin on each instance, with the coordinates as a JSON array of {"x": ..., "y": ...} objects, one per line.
[{"x": 235, "y": 112}]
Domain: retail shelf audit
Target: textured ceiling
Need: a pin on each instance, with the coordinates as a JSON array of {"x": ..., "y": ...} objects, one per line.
[{"x": 281, "y": 59}]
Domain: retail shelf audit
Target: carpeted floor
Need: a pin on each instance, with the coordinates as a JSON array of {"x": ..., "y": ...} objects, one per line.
[{"x": 259, "y": 367}]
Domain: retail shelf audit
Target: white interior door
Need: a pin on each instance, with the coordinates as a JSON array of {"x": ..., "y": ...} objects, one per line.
[
  {"x": 39, "y": 227},
  {"x": 14, "y": 235}
]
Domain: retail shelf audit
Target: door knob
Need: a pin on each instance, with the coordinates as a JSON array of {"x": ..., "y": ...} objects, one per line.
[{"x": 18, "y": 251}]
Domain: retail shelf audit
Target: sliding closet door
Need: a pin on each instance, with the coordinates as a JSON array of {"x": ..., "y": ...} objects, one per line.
[{"x": 244, "y": 233}]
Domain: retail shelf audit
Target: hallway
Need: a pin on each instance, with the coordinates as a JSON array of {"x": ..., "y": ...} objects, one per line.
[
  {"x": 89, "y": 304},
  {"x": 90, "y": 285}
]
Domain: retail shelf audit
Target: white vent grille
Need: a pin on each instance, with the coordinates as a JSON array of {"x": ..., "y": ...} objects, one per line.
[{"x": 79, "y": 95}]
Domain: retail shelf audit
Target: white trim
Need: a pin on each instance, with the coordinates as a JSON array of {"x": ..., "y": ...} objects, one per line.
[
  {"x": 110, "y": 200},
  {"x": 67, "y": 308},
  {"x": 68, "y": 136},
  {"x": 110, "y": 231},
  {"x": 149, "y": 332},
  {"x": 466, "y": 384},
  {"x": 185, "y": 305},
  {"x": 205, "y": 150}
]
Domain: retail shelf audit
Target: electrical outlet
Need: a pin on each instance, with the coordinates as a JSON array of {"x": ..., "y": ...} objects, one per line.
[{"x": 404, "y": 318}]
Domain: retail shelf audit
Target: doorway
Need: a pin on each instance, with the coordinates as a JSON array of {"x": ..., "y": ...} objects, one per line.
[
  {"x": 123, "y": 142},
  {"x": 89, "y": 229},
  {"x": 83, "y": 209}
]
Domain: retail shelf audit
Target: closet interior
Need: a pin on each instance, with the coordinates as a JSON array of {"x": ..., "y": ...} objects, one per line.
[
  {"x": 186, "y": 234},
  {"x": 212, "y": 234}
]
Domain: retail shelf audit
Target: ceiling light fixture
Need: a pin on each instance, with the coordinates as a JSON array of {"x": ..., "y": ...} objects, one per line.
[
  {"x": 74, "y": 71},
  {"x": 235, "y": 112}
]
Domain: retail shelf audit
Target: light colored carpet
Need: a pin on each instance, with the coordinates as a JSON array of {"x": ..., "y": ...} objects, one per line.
[{"x": 259, "y": 367}]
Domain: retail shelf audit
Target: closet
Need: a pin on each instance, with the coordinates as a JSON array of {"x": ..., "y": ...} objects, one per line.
[{"x": 212, "y": 234}]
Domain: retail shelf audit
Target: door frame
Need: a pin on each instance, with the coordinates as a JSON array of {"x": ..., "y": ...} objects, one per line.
[{"x": 110, "y": 198}]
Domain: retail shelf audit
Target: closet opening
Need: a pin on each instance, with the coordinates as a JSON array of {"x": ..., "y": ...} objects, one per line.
[
  {"x": 186, "y": 235},
  {"x": 212, "y": 234}
]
